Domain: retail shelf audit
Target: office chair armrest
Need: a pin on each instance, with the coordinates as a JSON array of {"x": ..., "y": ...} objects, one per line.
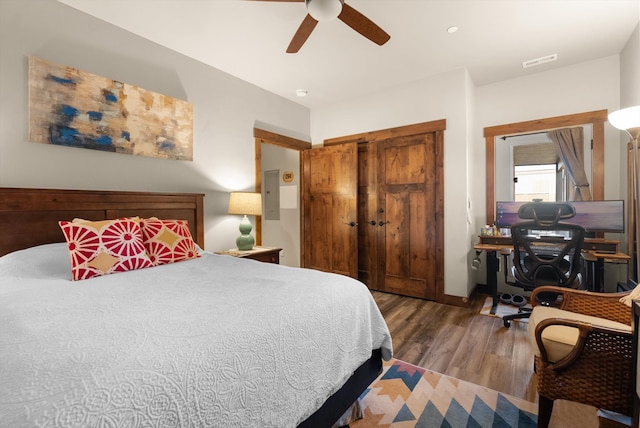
[
  {"x": 596, "y": 345},
  {"x": 601, "y": 305}
]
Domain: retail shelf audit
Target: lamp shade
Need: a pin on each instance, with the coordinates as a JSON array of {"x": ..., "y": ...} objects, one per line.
[
  {"x": 245, "y": 203},
  {"x": 324, "y": 10},
  {"x": 627, "y": 119}
]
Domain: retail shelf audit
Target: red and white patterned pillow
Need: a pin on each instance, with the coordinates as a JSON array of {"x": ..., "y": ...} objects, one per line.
[
  {"x": 168, "y": 241},
  {"x": 103, "y": 247}
]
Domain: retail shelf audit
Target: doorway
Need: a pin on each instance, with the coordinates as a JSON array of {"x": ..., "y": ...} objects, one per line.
[{"x": 289, "y": 148}]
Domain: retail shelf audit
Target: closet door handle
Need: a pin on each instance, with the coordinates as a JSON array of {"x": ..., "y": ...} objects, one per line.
[{"x": 372, "y": 222}]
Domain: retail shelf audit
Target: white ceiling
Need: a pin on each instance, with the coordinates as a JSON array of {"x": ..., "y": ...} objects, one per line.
[{"x": 248, "y": 39}]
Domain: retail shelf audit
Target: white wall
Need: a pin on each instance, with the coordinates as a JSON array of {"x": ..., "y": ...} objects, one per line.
[
  {"x": 225, "y": 112},
  {"x": 630, "y": 71},
  {"x": 445, "y": 96},
  {"x": 629, "y": 91},
  {"x": 472, "y": 176}
]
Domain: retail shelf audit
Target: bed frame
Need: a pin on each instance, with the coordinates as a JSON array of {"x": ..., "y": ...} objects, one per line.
[
  {"x": 30, "y": 217},
  {"x": 341, "y": 401}
]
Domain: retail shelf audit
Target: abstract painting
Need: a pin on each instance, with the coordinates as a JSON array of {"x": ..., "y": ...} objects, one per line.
[{"x": 69, "y": 107}]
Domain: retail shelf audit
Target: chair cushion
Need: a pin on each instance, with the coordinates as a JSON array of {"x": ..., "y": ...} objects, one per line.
[
  {"x": 559, "y": 340},
  {"x": 633, "y": 295}
]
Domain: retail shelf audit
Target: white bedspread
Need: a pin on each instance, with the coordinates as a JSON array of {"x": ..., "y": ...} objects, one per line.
[{"x": 212, "y": 342}]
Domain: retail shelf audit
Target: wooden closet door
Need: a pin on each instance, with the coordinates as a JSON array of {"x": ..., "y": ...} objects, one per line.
[
  {"x": 368, "y": 228},
  {"x": 330, "y": 209},
  {"x": 407, "y": 260}
]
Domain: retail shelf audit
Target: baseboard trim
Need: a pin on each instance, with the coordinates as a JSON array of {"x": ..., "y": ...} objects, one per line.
[{"x": 460, "y": 301}]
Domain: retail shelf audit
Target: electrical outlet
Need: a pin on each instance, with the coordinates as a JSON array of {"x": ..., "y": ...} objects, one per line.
[{"x": 282, "y": 254}]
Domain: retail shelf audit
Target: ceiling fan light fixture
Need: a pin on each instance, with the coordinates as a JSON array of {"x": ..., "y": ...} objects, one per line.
[{"x": 324, "y": 10}]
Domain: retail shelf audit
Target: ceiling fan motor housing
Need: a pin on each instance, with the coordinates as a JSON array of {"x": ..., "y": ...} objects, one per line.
[{"x": 324, "y": 10}]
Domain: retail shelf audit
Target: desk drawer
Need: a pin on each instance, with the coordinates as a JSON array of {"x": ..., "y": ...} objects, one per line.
[
  {"x": 496, "y": 240},
  {"x": 601, "y": 247}
]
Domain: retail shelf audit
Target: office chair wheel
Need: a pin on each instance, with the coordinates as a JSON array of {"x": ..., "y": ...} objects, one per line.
[{"x": 507, "y": 323}]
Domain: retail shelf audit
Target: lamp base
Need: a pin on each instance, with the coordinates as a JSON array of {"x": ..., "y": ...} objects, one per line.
[{"x": 245, "y": 241}]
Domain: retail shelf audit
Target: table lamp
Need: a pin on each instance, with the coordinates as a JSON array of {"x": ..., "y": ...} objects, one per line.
[{"x": 245, "y": 203}]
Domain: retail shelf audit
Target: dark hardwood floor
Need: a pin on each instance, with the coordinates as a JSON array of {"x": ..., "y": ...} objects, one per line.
[{"x": 460, "y": 342}]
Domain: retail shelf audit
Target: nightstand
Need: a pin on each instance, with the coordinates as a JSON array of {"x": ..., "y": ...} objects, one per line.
[{"x": 262, "y": 254}]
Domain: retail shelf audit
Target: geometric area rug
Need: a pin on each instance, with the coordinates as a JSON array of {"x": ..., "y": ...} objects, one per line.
[{"x": 406, "y": 396}]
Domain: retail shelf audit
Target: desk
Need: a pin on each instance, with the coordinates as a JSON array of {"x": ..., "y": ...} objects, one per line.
[{"x": 594, "y": 250}]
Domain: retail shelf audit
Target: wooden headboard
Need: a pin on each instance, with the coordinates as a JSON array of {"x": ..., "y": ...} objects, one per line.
[{"x": 30, "y": 216}]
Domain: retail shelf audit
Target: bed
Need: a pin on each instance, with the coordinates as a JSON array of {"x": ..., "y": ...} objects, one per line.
[{"x": 211, "y": 341}]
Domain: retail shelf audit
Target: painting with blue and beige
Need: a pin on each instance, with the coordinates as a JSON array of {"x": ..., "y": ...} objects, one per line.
[{"x": 69, "y": 107}]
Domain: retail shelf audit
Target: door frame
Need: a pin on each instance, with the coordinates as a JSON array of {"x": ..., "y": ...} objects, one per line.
[
  {"x": 438, "y": 127},
  {"x": 267, "y": 137}
]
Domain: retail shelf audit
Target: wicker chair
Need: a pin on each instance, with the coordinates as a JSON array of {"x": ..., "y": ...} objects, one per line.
[{"x": 594, "y": 365}]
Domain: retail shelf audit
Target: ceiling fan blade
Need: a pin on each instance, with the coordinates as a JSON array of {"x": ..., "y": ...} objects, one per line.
[
  {"x": 303, "y": 33},
  {"x": 363, "y": 25}
]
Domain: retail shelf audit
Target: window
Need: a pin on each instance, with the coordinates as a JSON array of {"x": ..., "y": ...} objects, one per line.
[{"x": 535, "y": 182}]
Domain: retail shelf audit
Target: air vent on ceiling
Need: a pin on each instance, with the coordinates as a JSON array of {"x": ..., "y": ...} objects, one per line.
[{"x": 538, "y": 61}]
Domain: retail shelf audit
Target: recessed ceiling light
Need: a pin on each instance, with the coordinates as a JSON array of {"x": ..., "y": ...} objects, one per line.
[
  {"x": 452, "y": 29},
  {"x": 301, "y": 92}
]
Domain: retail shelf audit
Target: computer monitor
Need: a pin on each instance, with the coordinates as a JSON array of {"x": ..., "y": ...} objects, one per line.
[{"x": 594, "y": 216}]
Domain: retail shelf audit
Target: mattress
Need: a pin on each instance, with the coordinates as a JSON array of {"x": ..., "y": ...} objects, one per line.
[{"x": 215, "y": 341}]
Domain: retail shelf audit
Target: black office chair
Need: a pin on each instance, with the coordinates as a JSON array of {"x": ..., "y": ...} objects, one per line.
[{"x": 550, "y": 259}]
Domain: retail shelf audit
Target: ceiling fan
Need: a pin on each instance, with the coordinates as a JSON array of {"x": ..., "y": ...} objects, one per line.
[{"x": 324, "y": 10}]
